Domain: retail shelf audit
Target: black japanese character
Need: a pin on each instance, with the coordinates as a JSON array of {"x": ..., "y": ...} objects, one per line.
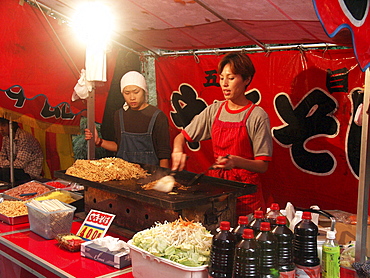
[
  {"x": 337, "y": 80},
  {"x": 187, "y": 105},
  {"x": 311, "y": 118},
  {"x": 16, "y": 93},
  {"x": 354, "y": 135},
  {"x": 59, "y": 111},
  {"x": 211, "y": 78}
]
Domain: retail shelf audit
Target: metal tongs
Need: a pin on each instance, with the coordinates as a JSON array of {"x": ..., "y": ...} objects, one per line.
[
  {"x": 323, "y": 213},
  {"x": 198, "y": 176}
]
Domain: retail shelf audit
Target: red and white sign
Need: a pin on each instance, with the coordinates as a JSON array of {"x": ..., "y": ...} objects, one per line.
[{"x": 96, "y": 225}]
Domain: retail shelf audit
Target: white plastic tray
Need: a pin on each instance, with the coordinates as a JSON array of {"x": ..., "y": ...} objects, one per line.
[{"x": 146, "y": 265}]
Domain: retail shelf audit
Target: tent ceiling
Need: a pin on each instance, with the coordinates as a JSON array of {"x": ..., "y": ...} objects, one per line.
[{"x": 203, "y": 24}]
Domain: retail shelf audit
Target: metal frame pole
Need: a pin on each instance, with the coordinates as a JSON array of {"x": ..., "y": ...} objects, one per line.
[
  {"x": 364, "y": 177},
  {"x": 91, "y": 124}
]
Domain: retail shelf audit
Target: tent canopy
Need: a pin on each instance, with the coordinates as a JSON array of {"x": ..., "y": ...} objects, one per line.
[{"x": 203, "y": 24}]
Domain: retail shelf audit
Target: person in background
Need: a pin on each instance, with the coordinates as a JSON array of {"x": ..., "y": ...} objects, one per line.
[
  {"x": 239, "y": 129},
  {"x": 28, "y": 156},
  {"x": 141, "y": 130}
]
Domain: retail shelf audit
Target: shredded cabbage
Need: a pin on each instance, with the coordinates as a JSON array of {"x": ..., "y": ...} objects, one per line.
[{"x": 184, "y": 242}]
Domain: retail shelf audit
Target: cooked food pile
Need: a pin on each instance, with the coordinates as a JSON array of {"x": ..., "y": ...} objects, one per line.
[
  {"x": 152, "y": 184},
  {"x": 181, "y": 241},
  {"x": 27, "y": 190},
  {"x": 106, "y": 169},
  {"x": 59, "y": 195},
  {"x": 13, "y": 208}
]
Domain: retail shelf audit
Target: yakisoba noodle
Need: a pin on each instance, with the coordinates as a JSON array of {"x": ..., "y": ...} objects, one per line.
[
  {"x": 106, "y": 169},
  {"x": 13, "y": 208}
]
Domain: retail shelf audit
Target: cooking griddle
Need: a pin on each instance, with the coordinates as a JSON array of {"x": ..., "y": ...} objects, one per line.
[{"x": 205, "y": 189}]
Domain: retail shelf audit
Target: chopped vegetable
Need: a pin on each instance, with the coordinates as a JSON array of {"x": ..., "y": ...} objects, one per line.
[{"x": 184, "y": 242}]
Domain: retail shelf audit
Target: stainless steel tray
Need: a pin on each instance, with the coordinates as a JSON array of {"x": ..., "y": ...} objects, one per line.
[
  {"x": 12, "y": 220},
  {"x": 33, "y": 181}
]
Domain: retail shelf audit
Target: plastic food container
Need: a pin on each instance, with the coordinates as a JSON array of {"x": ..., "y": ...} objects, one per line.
[
  {"x": 146, "y": 265},
  {"x": 50, "y": 224}
]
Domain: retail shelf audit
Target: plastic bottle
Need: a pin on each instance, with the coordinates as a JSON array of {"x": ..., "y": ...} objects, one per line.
[
  {"x": 242, "y": 225},
  {"x": 272, "y": 214},
  {"x": 222, "y": 252},
  {"x": 284, "y": 237},
  {"x": 330, "y": 257},
  {"x": 305, "y": 242},
  {"x": 256, "y": 222},
  {"x": 246, "y": 260},
  {"x": 267, "y": 245}
]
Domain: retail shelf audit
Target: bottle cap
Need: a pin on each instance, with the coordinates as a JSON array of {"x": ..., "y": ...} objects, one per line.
[
  {"x": 330, "y": 234},
  {"x": 243, "y": 220},
  {"x": 248, "y": 233},
  {"x": 306, "y": 215},
  {"x": 281, "y": 220},
  {"x": 275, "y": 206},
  {"x": 265, "y": 226},
  {"x": 225, "y": 225},
  {"x": 258, "y": 214}
]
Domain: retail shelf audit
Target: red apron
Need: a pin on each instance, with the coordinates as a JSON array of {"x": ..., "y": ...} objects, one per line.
[{"x": 232, "y": 138}]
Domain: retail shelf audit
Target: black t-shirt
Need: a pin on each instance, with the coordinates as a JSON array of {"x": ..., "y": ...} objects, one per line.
[{"x": 137, "y": 121}]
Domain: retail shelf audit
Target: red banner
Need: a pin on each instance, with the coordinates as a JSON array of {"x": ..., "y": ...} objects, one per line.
[
  {"x": 311, "y": 98},
  {"x": 40, "y": 62}
]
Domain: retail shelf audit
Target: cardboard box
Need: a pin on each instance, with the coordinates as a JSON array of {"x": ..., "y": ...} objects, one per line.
[
  {"x": 347, "y": 233},
  {"x": 117, "y": 259}
]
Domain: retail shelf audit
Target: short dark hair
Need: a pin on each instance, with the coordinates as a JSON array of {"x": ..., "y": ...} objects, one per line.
[
  {"x": 4, "y": 121},
  {"x": 240, "y": 63}
]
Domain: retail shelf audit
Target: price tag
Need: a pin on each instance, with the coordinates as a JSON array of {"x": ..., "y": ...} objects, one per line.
[{"x": 96, "y": 225}]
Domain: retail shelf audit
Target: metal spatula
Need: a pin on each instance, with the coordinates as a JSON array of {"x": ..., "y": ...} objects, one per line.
[{"x": 197, "y": 176}]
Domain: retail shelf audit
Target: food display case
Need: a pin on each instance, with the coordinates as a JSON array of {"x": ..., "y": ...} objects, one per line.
[{"x": 208, "y": 201}]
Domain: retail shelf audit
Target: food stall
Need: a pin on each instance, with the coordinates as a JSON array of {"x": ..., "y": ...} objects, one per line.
[
  {"x": 139, "y": 40},
  {"x": 209, "y": 201}
]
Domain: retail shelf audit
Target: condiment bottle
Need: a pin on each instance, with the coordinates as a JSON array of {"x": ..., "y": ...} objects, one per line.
[
  {"x": 272, "y": 214},
  {"x": 256, "y": 222},
  {"x": 284, "y": 237},
  {"x": 242, "y": 225},
  {"x": 246, "y": 260},
  {"x": 222, "y": 252},
  {"x": 267, "y": 246},
  {"x": 305, "y": 242},
  {"x": 330, "y": 257}
]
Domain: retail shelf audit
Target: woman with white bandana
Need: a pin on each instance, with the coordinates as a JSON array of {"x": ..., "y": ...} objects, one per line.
[{"x": 141, "y": 130}]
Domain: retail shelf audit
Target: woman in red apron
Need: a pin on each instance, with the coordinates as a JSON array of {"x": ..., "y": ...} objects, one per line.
[{"x": 238, "y": 128}]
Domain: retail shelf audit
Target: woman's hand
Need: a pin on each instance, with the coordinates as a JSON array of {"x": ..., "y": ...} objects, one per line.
[
  {"x": 178, "y": 161},
  {"x": 89, "y": 135},
  {"x": 224, "y": 162}
]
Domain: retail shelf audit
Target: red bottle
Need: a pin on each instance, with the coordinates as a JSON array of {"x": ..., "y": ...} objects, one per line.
[
  {"x": 256, "y": 222},
  {"x": 242, "y": 225}
]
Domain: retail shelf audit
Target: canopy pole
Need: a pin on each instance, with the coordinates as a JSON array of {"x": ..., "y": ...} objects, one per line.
[
  {"x": 364, "y": 177},
  {"x": 91, "y": 123},
  {"x": 245, "y": 49}
]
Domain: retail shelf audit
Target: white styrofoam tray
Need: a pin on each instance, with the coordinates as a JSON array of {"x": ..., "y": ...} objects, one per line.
[{"x": 146, "y": 265}]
